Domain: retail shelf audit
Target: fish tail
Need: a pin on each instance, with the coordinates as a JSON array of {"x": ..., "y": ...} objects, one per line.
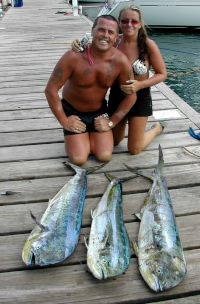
[
  {"x": 92, "y": 169},
  {"x": 160, "y": 165},
  {"x": 148, "y": 175},
  {"x": 72, "y": 166},
  {"x": 124, "y": 179}
]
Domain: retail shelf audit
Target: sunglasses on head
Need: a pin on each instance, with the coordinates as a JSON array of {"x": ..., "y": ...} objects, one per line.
[{"x": 126, "y": 22}]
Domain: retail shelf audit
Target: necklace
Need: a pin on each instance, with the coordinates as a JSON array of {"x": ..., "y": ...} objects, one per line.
[{"x": 89, "y": 58}]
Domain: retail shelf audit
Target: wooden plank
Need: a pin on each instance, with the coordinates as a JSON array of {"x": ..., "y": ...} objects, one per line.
[
  {"x": 184, "y": 203},
  {"x": 42, "y": 189},
  {"x": 186, "y": 300},
  {"x": 55, "y": 150},
  {"x": 56, "y": 134},
  {"x": 178, "y": 102},
  {"x": 37, "y": 113},
  {"x": 69, "y": 283},
  {"x": 35, "y": 103},
  {"x": 26, "y": 114}
]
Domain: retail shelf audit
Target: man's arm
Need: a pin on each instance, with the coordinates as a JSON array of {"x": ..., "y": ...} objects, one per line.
[
  {"x": 61, "y": 73},
  {"x": 126, "y": 73}
]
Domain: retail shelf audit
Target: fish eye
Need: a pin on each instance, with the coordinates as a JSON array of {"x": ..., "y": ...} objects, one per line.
[{"x": 104, "y": 261}]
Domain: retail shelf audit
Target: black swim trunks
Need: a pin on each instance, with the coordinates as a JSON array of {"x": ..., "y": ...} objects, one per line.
[
  {"x": 86, "y": 117},
  {"x": 141, "y": 108}
]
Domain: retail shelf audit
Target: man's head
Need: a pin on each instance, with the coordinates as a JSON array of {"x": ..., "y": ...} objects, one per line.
[
  {"x": 108, "y": 17},
  {"x": 104, "y": 32}
]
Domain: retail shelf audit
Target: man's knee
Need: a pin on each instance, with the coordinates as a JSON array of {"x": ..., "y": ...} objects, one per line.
[
  {"x": 104, "y": 156},
  {"x": 78, "y": 160}
]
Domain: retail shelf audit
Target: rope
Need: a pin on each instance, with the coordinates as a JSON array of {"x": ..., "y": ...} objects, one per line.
[
  {"x": 180, "y": 75},
  {"x": 195, "y": 154},
  {"x": 183, "y": 74}
]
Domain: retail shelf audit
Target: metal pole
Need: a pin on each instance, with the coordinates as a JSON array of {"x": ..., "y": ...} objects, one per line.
[{"x": 75, "y": 7}]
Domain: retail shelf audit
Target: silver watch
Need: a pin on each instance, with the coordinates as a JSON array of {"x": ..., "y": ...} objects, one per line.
[{"x": 110, "y": 124}]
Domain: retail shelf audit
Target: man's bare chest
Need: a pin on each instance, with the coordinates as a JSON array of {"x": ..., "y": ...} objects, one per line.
[{"x": 87, "y": 75}]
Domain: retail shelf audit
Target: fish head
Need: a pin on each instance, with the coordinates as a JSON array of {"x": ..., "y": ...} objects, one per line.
[
  {"x": 163, "y": 272},
  {"x": 100, "y": 265},
  {"x": 94, "y": 266},
  {"x": 35, "y": 251}
]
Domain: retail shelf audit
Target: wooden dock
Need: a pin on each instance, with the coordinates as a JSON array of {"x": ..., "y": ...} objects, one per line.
[{"x": 31, "y": 155}]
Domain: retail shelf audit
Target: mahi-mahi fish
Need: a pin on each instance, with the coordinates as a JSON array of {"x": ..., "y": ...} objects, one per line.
[
  {"x": 56, "y": 235},
  {"x": 159, "y": 250},
  {"x": 109, "y": 250}
]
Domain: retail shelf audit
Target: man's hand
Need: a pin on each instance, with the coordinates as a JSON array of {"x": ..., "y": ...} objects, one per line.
[
  {"x": 101, "y": 124},
  {"x": 74, "y": 124},
  {"x": 132, "y": 87}
]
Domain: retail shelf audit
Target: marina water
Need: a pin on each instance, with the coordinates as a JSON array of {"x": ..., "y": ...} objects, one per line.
[{"x": 181, "y": 52}]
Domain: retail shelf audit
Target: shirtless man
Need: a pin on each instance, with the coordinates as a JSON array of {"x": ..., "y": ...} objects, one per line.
[{"x": 86, "y": 77}]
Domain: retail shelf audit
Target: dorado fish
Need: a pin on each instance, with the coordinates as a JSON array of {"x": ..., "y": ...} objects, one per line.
[
  {"x": 159, "y": 251},
  {"x": 109, "y": 251},
  {"x": 56, "y": 235}
]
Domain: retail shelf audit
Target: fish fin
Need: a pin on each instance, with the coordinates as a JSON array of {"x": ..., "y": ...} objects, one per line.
[
  {"x": 135, "y": 248},
  {"x": 160, "y": 165},
  {"x": 42, "y": 227},
  {"x": 148, "y": 175},
  {"x": 105, "y": 237},
  {"x": 92, "y": 169},
  {"x": 123, "y": 179},
  {"x": 86, "y": 241},
  {"x": 138, "y": 215},
  {"x": 110, "y": 177}
]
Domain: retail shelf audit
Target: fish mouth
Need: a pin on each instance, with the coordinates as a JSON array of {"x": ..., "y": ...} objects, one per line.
[{"x": 33, "y": 259}]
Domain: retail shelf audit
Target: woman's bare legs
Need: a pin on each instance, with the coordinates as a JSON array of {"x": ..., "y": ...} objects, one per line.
[
  {"x": 119, "y": 131},
  {"x": 138, "y": 139}
]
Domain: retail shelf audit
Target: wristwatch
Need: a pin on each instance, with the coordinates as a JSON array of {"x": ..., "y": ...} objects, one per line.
[{"x": 110, "y": 124}]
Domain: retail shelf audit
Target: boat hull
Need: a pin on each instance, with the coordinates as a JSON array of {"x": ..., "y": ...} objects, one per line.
[{"x": 161, "y": 13}]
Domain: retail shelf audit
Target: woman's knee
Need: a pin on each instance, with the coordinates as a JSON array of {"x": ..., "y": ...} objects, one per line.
[{"x": 134, "y": 150}]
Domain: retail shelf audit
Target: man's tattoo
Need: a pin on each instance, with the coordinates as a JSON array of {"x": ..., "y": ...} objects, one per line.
[
  {"x": 87, "y": 72},
  {"x": 57, "y": 76},
  {"x": 109, "y": 73}
]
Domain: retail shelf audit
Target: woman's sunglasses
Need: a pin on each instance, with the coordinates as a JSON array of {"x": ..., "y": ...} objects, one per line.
[{"x": 126, "y": 22}]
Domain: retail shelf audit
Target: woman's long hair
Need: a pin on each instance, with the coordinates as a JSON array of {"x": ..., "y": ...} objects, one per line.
[{"x": 142, "y": 34}]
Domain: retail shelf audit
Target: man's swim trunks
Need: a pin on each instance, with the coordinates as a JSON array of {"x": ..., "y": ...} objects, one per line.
[
  {"x": 141, "y": 108},
  {"x": 86, "y": 117}
]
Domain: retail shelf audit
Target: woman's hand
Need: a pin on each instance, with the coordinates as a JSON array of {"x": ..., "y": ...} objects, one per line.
[
  {"x": 76, "y": 45},
  {"x": 132, "y": 87}
]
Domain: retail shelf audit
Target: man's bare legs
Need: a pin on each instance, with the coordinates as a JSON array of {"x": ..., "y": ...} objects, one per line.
[
  {"x": 101, "y": 144},
  {"x": 78, "y": 146}
]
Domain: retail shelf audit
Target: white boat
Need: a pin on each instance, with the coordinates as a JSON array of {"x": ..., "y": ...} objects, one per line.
[
  {"x": 91, "y": 1},
  {"x": 161, "y": 13}
]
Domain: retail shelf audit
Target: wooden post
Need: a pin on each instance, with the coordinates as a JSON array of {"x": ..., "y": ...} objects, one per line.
[{"x": 75, "y": 7}]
